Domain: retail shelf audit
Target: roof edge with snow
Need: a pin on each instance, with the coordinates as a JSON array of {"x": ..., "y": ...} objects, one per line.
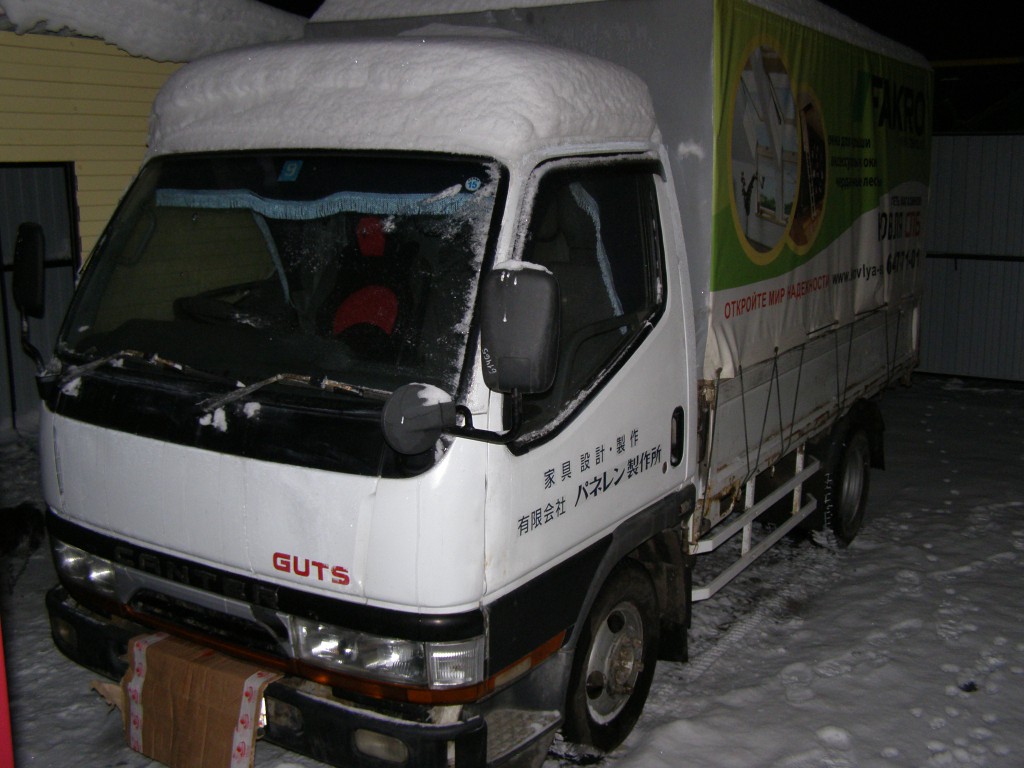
[
  {"x": 501, "y": 98},
  {"x": 176, "y": 31},
  {"x": 364, "y": 10}
]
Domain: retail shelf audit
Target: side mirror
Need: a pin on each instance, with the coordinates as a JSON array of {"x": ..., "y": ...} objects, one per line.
[
  {"x": 519, "y": 344},
  {"x": 29, "y": 286},
  {"x": 415, "y": 416},
  {"x": 519, "y": 328}
]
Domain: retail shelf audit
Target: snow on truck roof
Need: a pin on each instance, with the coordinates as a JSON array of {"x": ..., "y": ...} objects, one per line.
[
  {"x": 812, "y": 13},
  {"x": 501, "y": 98},
  {"x": 351, "y": 10}
]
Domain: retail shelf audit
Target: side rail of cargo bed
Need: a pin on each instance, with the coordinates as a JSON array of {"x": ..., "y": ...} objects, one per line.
[
  {"x": 758, "y": 423},
  {"x": 743, "y": 523}
]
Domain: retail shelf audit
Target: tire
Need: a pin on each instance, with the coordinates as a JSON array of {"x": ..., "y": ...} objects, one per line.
[
  {"x": 843, "y": 488},
  {"x": 614, "y": 661}
]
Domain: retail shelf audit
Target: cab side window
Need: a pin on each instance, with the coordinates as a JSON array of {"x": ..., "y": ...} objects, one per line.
[{"x": 596, "y": 230}]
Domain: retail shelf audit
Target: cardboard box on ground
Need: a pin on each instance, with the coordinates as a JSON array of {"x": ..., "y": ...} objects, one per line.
[{"x": 187, "y": 705}]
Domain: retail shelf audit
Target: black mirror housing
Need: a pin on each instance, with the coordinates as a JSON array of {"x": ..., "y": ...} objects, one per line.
[
  {"x": 519, "y": 328},
  {"x": 29, "y": 282},
  {"x": 414, "y": 417}
]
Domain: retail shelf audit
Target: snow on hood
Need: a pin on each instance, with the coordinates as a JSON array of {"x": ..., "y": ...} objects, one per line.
[
  {"x": 163, "y": 30},
  {"x": 353, "y": 10},
  {"x": 494, "y": 97}
]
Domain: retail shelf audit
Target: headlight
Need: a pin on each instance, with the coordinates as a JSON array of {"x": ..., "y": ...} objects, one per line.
[
  {"x": 78, "y": 568},
  {"x": 406, "y": 662}
]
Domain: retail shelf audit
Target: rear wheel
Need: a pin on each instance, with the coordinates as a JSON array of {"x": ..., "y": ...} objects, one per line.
[
  {"x": 614, "y": 661},
  {"x": 843, "y": 488}
]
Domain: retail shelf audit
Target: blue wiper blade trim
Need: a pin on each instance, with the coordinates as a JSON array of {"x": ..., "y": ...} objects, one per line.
[{"x": 377, "y": 203}]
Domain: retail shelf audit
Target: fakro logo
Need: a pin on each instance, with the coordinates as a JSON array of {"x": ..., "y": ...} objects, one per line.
[{"x": 898, "y": 107}]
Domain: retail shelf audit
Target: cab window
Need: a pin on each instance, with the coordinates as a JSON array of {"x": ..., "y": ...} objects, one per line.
[{"x": 595, "y": 228}]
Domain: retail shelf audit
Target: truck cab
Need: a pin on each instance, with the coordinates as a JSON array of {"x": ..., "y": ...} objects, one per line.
[{"x": 303, "y": 260}]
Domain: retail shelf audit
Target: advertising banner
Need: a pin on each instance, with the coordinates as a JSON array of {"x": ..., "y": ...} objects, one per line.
[{"x": 821, "y": 180}]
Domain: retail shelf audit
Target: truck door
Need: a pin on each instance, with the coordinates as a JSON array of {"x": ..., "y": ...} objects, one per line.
[{"x": 605, "y": 442}]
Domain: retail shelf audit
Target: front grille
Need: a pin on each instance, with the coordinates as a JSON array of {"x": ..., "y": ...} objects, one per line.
[{"x": 196, "y": 618}]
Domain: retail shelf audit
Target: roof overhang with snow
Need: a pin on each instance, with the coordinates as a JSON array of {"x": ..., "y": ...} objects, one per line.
[
  {"x": 501, "y": 98},
  {"x": 162, "y": 30}
]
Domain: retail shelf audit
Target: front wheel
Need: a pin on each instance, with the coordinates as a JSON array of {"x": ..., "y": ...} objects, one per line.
[{"x": 614, "y": 661}]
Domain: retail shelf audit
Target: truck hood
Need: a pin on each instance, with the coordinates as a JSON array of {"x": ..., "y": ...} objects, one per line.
[{"x": 354, "y": 537}]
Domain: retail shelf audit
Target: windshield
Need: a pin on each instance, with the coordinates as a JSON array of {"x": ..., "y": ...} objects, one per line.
[{"x": 361, "y": 268}]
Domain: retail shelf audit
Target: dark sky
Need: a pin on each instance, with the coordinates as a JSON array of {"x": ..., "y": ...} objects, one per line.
[
  {"x": 976, "y": 48},
  {"x": 944, "y": 31},
  {"x": 982, "y": 29},
  {"x": 302, "y": 7}
]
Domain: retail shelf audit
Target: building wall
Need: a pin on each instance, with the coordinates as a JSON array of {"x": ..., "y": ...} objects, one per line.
[
  {"x": 972, "y": 318},
  {"x": 73, "y": 113},
  {"x": 66, "y": 99}
]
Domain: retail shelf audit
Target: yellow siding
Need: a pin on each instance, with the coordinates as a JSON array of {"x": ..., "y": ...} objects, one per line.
[{"x": 82, "y": 101}]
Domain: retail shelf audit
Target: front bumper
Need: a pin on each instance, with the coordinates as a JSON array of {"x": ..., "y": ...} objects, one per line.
[{"x": 307, "y": 718}]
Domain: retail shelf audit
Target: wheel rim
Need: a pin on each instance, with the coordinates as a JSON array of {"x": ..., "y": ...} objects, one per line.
[
  {"x": 615, "y": 662},
  {"x": 854, "y": 479}
]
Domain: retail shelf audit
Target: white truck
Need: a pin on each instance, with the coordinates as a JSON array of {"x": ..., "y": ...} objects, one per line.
[{"x": 426, "y": 354}]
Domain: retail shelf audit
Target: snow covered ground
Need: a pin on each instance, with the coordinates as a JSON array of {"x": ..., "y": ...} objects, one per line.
[{"x": 904, "y": 651}]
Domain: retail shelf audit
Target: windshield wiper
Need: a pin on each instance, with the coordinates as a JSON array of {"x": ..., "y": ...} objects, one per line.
[
  {"x": 75, "y": 371},
  {"x": 219, "y": 401},
  {"x": 115, "y": 359},
  {"x": 213, "y": 403}
]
